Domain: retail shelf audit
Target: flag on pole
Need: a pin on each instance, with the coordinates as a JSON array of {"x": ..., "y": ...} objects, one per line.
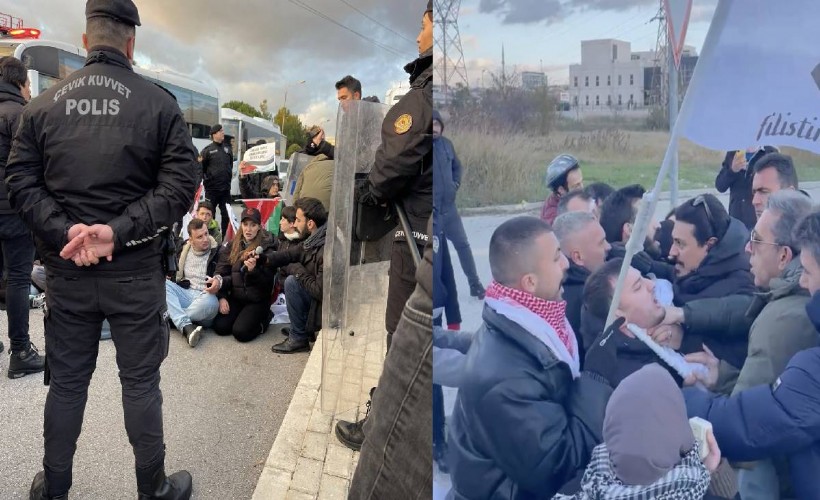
[{"x": 757, "y": 81}]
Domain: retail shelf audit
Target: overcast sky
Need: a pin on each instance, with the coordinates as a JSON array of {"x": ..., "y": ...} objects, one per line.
[
  {"x": 253, "y": 49},
  {"x": 547, "y": 33}
]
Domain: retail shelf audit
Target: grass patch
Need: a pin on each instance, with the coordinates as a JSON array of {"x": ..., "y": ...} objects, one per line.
[{"x": 508, "y": 168}]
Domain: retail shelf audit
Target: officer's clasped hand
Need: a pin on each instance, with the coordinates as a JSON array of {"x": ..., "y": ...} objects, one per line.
[{"x": 88, "y": 244}]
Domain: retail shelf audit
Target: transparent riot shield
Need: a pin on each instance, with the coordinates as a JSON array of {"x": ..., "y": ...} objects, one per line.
[
  {"x": 355, "y": 272},
  {"x": 297, "y": 163}
]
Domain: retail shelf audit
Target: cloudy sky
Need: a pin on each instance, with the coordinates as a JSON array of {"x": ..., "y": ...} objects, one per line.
[
  {"x": 253, "y": 49},
  {"x": 547, "y": 33}
]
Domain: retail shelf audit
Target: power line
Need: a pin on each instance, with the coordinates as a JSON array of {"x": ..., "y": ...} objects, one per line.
[
  {"x": 377, "y": 22},
  {"x": 324, "y": 16}
]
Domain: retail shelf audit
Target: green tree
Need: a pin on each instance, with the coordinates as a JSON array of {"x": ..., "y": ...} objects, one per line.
[
  {"x": 293, "y": 148},
  {"x": 243, "y": 108},
  {"x": 293, "y": 129},
  {"x": 263, "y": 107}
]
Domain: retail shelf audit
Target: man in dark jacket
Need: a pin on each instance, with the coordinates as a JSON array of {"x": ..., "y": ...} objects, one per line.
[
  {"x": 217, "y": 171},
  {"x": 736, "y": 174},
  {"x": 525, "y": 418},
  {"x": 303, "y": 288},
  {"x": 783, "y": 418},
  {"x": 15, "y": 238},
  {"x": 710, "y": 261},
  {"x": 403, "y": 175},
  {"x": 97, "y": 210},
  {"x": 447, "y": 179},
  {"x": 584, "y": 244}
]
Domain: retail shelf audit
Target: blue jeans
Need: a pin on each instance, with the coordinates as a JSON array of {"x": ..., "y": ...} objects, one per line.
[
  {"x": 186, "y": 306},
  {"x": 298, "y": 302},
  {"x": 18, "y": 257}
]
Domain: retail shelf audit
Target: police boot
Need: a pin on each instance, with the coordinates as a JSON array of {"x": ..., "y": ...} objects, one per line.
[
  {"x": 24, "y": 362},
  {"x": 39, "y": 487},
  {"x": 177, "y": 486},
  {"x": 351, "y": 434}
]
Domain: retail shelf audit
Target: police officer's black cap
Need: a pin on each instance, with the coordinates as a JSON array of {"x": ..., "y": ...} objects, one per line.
[
  {"x": 123, "y": 11},
  {"x": 429, "y": 6},
  {"x": 216, "y": 128}
]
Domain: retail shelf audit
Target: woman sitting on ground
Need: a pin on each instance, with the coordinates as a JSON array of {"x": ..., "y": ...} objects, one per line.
[{"x": 244, "y": 298}]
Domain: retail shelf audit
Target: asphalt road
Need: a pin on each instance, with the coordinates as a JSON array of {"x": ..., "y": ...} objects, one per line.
[{"x": 223, "y": 405}]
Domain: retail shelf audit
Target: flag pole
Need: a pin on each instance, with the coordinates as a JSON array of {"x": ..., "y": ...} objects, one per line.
[{"x": 650, "y": 199}]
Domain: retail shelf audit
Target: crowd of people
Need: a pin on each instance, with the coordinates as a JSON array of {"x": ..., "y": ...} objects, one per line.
[
  {"x": 553, "y": 402},
  {"x": 109, "y": 257}
]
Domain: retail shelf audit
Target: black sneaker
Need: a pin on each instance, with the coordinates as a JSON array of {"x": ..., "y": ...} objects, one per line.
[
  {"x": 25, "y": 362},
  {"x": 290, "y": 346},
  {"x": 193, "y": 334},
  {"x": 476, "y": 290}
]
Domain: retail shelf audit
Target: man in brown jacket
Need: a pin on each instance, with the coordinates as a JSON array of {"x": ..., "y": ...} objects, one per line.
[{"x": 316, "y": 181}]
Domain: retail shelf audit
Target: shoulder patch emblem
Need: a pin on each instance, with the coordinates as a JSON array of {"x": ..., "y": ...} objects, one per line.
[{"x": 403, "y": 123}]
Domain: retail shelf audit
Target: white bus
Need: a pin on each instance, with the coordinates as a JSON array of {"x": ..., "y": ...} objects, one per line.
[
  {"x": 48, "y": 62},
  {"x": 247, "y": 132}
]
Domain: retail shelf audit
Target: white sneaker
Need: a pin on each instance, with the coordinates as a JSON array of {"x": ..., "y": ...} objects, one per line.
[{"x": 195, "y": 336}]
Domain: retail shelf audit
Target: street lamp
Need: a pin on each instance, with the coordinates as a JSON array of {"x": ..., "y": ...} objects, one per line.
[{"x": 285, "y": 105}]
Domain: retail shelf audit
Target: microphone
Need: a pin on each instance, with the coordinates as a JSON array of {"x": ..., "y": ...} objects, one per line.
[{"x": 258, "y": 251}]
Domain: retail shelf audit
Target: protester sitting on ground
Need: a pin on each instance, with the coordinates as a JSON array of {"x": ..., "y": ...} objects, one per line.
[
  {"x": 772, "y": 172},
  {"x": 618, "y": 214},
  {"x": 316, "y": 180},
  {"x": 649, "y": 449},
  {"x": 563, "y": 175},
  {"x": 736, "y": 174},
  {"x": 271, "y": 188},
  {"x": 637, "y": 306},
  {"x": 584, "y": 244},
  {"x": 525, "y": 418},
  {"x": 598, "y": 192},
  {"x": 191, "y": 296},
  {"x": 303, "y": 288},
  {"x": 780, "y": 419},
  {"x": 711, "y": 261},
  {"x": 244, "y": 298},
  {"x": 576, "y": 200},
  {"x": 288, "y": 236},
  {"x": 205, "y": 212}
]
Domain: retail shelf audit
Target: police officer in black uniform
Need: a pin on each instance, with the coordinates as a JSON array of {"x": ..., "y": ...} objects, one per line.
[
  {"x": 101, "y": 165},
  {"x": 217, "y": 169},
  {"x": 403, "y": 174}
]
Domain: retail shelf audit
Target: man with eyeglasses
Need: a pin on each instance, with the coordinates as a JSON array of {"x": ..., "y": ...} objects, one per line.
[
  {"x": 780, "y": 326},
  {"x": 708, "y": 250},
  {"x": 782, "y": 418}
]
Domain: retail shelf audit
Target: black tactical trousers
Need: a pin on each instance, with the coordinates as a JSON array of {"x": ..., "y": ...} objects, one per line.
[
  {"x": 76, "y": 306},
  {"x": 401, "y": 285}
]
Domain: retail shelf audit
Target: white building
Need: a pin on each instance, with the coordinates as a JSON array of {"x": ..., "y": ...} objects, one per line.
[
  {"x": 531, "y": 80},
  {"x": 610, "y": 77}
]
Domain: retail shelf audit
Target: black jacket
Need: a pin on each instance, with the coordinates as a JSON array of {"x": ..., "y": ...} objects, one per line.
[
  {"x": 574, "y": 295},
  {"x": 11, "y": 107},
  {"x": 308, "y": 256},
  {"x": 521, "y": 427},
  {"x": 403, "y": 170},
  {"x": 245, "y": 286},
  {"x": 104, "y": 146},
  {"x": 217, "y": 168},
  {"x": 324, "y": 148},
  {"x": 724, "y": 272},
  {"x": 281, "y": 244},
  {"x": 739, "y": 185}
]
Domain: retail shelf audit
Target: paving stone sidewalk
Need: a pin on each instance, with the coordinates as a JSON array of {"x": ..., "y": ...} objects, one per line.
[{"x": 307, "y": 461}]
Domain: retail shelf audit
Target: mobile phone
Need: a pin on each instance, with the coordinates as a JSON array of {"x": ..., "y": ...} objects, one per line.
[{"x": 700, "y": 428}]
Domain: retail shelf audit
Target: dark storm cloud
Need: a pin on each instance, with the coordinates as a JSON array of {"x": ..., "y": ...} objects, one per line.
[{"x": 253, "y": 49}]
